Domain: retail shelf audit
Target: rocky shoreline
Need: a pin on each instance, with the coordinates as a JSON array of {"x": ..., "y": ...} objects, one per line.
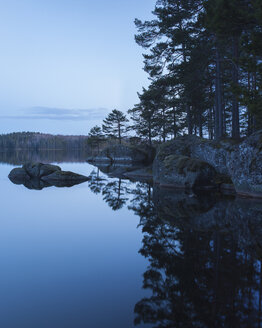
[{"x": 194, "y": 163}]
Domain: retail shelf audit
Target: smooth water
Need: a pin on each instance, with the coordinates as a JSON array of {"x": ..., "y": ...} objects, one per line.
[
  {"x": 67, "y": 259},
  {"x": 114, "y": 253}
]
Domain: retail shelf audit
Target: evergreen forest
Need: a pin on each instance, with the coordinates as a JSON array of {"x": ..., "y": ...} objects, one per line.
[{"x": 204, "y": 63}]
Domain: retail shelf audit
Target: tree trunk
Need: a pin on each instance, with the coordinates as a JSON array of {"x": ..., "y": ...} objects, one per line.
[
  {"x": 188, "y": 109},
  {"x": 210, "y": 117},
  {"x": 174, "y": 122},
  {"x": 210, "y": 120},
  {"x": 164, "y": 125},
  {"x": 254, "y": 88},
  {"x": 150, "y": 133},
  {"x": 119, "y": 134},
  {"x": 235, "y": 103},
  {"x": 260, "y": 296},
  {"x": 218, "y": 94},
  {"x": 200, "y": 125},
  {"x": 249, "y": 114},
  {"x": 119, "y": 190},
  {"x": 189, "y": 120}
]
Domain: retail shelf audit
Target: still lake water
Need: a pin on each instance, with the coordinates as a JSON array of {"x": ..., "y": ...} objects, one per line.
[{"x": 115, "y": 253}]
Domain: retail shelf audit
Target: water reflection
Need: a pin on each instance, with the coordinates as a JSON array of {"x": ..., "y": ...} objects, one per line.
[
  {"x": 39, "y": 184},
  {"x": 204, "y": 262},
  {"x": 114, "y": 191},
  {"x": 96, "y": 183},
  {"x": 204, "y": 253},
  {"x": 19, "y": 157}
]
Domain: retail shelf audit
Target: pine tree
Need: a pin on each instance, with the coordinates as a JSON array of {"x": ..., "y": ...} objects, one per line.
[
  {"x": 145, "y": 116},
  {"x": 251, "y": 66},
  {"x": 95, "y": 137},
  {"x": 170, "y": 38},
  {"x": 205, "y": 57},
  {"x": 115, "y": 125},
  {"x": 227, "y": 20}
]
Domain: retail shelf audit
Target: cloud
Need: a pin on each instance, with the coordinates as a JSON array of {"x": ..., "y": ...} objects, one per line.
[{"x": 48, "y": 113}]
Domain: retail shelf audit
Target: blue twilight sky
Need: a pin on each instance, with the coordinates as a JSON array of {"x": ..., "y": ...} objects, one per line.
[{"x": 64, "y": 64}]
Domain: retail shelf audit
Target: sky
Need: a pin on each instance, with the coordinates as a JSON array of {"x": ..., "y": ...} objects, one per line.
[{"x": 65, "y": 64}]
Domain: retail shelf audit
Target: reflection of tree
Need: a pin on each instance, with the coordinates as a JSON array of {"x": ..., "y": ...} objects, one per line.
[
  {"x": 19, "y": 157},
  {"x": 114, "y": 193},
  {"x": 202, "y": 251},
  {"x": 96, "y": 183},
  {"x": 142, "y": 202},
  {"x": 197, "y": 278}
]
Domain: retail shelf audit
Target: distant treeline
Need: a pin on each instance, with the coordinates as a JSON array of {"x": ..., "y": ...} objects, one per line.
[
  {"x": 19, "y": 157},
  {"x": 40, "y": 141}
]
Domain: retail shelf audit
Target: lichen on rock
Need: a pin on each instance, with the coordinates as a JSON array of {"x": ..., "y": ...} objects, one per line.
[{"x": 185, "y": 172}]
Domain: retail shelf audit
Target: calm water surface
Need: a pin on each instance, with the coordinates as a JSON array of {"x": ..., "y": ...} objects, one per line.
[
  {"x": 114, "y": 253},
  {"x": 67, "y": 259}
]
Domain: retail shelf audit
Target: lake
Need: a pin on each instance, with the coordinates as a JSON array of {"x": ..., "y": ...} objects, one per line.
[{"x": 114, "y": 253}]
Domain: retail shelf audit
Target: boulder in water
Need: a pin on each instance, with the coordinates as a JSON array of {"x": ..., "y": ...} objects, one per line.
[{"x": 38, "y": 176}]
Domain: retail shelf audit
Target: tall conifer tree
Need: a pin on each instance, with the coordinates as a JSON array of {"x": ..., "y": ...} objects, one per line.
[{"x": 114, "y": 125}]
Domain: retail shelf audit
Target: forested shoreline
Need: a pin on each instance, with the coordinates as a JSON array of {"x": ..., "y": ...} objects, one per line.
[
  {"x": 41, "y": 141},
  {"x": 204, "y": 61}
]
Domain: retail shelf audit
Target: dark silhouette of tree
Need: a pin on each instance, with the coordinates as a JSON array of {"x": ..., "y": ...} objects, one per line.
[
  {"x": 204, "y": 255},
  {"x": 40, "y": 141},
  {"x": 96, "y": 183},
  {"x": 95, "y": 138},
  {"x": 114, "y": 194},
  {"x": 207, "y": 54},
  {"x": 114, "y": 125},
  {"x": 199, "y": 276}
]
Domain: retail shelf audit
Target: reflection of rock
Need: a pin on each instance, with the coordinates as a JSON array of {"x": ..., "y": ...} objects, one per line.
[
  {"x": 64, "y": 176},
  {"x": 207, "y": 212},
  {"x": 173, "y": 203},
  {"x": 29, "y": 183},
  {"x": 136, "y": 172},
  {"x": 39, "y": 175},
  {"x": 36, "y": 184},
  {"x": 204, "y": 253},
  {"x": 124, "y": 154},
  {"x": 115, "y": 170}
]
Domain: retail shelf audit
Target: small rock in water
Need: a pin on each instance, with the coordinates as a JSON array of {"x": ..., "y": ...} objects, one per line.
[{"x": 38, "y": 176}]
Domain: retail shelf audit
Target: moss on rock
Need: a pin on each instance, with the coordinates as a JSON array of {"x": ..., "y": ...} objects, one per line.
[{"x": 184, "y": 162}]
